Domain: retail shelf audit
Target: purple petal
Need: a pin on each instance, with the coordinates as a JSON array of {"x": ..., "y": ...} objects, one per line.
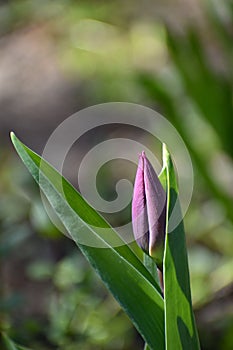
[
  {"x": 139, "y": 210},
  {"x": 156, "y": 206}
]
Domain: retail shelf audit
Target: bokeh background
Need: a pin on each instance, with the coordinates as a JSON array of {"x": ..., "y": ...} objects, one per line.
[{"x": 57, "y": 57}]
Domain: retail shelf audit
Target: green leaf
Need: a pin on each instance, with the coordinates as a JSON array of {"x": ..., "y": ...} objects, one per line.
[
  {"x": 180, "y": 328},
  {"x": 120, "y": 269},
  {"x": 7, "y": 344}
]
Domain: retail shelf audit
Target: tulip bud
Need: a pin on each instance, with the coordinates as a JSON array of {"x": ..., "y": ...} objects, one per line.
[{"x": 149, "y": 210}]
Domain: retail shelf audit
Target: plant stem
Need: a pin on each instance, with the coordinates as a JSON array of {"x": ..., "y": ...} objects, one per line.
[{"x": 152, "y": 268}]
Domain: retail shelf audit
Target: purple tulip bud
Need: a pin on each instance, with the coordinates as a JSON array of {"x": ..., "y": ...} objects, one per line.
[{"x": 149, "y": 210}]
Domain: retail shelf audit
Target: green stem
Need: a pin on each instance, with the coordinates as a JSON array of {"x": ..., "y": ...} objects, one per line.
[{"x": 152, "y": 268}]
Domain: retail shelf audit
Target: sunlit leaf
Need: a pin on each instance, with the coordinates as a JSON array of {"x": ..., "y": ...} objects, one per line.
[
  {"x": 120, "y": 269},
  {"x": 180, "y": 328}
]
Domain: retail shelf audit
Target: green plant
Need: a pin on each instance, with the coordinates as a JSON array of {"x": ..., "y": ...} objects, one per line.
[{"x": 164, "y": 322}]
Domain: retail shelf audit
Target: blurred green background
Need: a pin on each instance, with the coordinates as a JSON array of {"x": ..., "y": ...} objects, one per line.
[{"x": 59, "y": 57}]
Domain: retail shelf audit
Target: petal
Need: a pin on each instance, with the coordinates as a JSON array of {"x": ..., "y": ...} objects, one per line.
[
  {"x": 139, "y": 210},
  {"x": 156, "y": 206}
]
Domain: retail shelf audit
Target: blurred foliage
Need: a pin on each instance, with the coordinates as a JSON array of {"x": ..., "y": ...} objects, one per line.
[{"x": 180, "y": 66}]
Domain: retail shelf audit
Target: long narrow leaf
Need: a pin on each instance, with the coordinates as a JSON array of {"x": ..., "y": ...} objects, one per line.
[
  {"x": 180, "y": 328},
  {"x": 120, "y": 269}
]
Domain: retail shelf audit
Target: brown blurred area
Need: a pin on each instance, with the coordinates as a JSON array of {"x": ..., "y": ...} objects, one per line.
[{"x": 35, "y": 94}]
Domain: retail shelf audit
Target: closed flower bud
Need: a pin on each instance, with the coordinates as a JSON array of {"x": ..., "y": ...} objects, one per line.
[{"x": 149, "y": 210}]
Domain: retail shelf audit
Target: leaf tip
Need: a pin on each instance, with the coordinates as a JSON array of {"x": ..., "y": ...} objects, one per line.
[
  {"x": 165, "y": 153},
  {"x": 12, "y": 136}
]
